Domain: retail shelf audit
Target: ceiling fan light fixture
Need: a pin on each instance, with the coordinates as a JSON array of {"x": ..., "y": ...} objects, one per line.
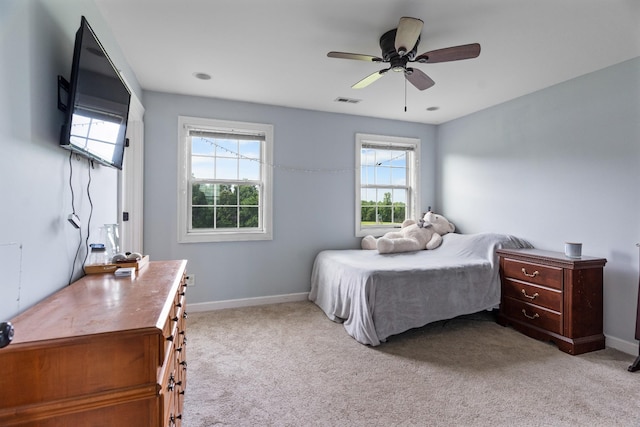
[{"x": 408, "y": 33}]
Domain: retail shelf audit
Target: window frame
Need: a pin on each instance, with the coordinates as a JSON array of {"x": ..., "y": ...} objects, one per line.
[
  {"x": 265, "y": 229},
  {"x": 412, "y": 146}
]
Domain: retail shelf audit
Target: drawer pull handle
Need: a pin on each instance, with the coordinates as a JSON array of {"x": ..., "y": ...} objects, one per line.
[
  {"x": 532, "y": 297},
  {"x": 534, "y": 274},
  {"x": 535, "y": 316}
]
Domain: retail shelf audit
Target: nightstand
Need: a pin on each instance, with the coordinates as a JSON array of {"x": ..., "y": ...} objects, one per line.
[{"x": 549, "y": 296}]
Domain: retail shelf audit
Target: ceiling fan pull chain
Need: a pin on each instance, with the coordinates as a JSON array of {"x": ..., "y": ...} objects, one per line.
[{"x": 405, "y": 95}]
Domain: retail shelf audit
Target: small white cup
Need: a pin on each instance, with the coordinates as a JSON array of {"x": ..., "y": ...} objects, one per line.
[{"x": 573, "y": 250}]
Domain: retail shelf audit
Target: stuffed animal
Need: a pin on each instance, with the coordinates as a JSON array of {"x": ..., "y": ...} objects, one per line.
[{"x": 426, "y": 234}]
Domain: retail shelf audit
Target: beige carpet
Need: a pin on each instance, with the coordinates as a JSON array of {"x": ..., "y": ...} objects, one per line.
[{"x": 289, "y": 365}]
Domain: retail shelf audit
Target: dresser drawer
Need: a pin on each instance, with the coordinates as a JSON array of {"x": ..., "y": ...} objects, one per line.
[
  {"x": 533, "y": 273},
  {"x": 538, "y": 295},
  {"x": 533, "y": 315}
]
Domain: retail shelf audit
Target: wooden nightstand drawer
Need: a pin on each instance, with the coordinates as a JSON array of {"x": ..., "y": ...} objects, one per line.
[
  {"x": 534, "y": 315},
  {"x": 526, "y": 292},
  {"x": 533, "y": 273}
]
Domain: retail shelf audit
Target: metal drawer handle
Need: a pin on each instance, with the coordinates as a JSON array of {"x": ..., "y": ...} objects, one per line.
[
  {"x": 536, "y": 315},
  {"x": 534, "y": 274},
  {"x": 530, "y": 296}
]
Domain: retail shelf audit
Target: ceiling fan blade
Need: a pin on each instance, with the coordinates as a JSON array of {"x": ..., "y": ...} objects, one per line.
[
  {"x": 455, "y": 53},
  {"x": 419, "y": 79},
  {"x": 369, "y": 79},
  {"x": 357, "y": 56},
  {"x": 407, "y": 34}
]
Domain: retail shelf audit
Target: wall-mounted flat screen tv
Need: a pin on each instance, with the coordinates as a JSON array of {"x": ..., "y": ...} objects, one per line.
[{"x": 98, "y": 104}]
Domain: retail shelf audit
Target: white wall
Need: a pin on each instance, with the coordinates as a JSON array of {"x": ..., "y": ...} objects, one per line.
[
  {"x": 556, "y": 165},
  {"x": 313, "y": 211},
  {"x": 37, "y": 244}
]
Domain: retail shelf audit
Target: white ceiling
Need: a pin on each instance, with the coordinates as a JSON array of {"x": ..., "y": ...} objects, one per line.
[{"x": 275, "y": 52}]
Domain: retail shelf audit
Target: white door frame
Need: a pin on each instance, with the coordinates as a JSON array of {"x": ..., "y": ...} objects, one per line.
[{"x": 131, "y": 188}]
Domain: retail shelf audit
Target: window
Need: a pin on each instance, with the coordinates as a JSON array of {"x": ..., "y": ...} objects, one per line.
[
  {"x": 387, "y": 174},
  {"x": 225, "y": 180}
]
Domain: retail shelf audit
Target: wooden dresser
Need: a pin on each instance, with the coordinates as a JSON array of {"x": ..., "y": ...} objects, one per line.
[
  {"x": 104, "y": 351},
  {"x": 549, "y": 296}
]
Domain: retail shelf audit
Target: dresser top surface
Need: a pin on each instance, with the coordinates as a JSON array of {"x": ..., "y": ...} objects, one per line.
[
  {"x": 103, "y": 303},
  {"x": 553, "y": 257}
]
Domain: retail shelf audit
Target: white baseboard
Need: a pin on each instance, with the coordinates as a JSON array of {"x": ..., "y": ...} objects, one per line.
[
  {"x": 622, "y": 345},
  {"x": 246, "y": 302}
]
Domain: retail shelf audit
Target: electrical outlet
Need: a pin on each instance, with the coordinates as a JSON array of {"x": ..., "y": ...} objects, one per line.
[{"x": 190, "y": 280}]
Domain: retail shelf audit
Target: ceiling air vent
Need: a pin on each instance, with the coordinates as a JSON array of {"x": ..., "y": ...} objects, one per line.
[{"x": 347, "y": 100}]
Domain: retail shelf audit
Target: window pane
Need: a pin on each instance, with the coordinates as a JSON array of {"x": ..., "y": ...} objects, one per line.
[
  {"x": 226, "y": 195},
  {"x": 226, "y": 168},
  {"x": 383, "y": 175},
  {"x": 367, "y": 157},
  {"x": 226, "y": 147},
  {"x": 368, "y": 213},
  {"x": 202, "y": 167},
  {"x": 368, "y": 194},
  {"x": 399, "y": 206},
  {"x": 227, "y": 217},
  {"x": 399, "y": 176},
  {"x": 399, "y": 196},
  {"x": 367, "y": 176},
  {"x": 249, "y": 217},
  {"x": 249, "y": 195},
  {"x": 383, "y": 157},
  {"x": 383, "y": 196},
  {"x": 202, "y": 194},
  {"x": 201, "y": 217},
  {"x": 249, "y": 149},
  {"x": 249, "y": 169},
  {"x": 202, "y": 146},
  {"x": 398, "y": 159}
]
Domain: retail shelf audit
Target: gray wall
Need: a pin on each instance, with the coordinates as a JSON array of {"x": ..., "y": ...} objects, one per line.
[
  {"x": 561, "y": 164},
  {"x": 37, "y": 244},
  {"x": 312, "y": 211}
]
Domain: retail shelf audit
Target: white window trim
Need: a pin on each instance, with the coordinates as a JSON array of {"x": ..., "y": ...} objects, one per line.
[
  {"x": 184, "y": 155},
  {"x": 413, "y": 201}
]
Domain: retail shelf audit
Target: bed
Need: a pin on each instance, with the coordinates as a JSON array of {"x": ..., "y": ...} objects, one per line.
[{"x": 376, "y": 296}]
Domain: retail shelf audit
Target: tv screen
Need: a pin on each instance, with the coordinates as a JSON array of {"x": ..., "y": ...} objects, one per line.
[{"x": 98, "y": 105}]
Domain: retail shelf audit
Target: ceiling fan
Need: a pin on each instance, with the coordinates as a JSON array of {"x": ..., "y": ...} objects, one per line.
[{"x": 399, "y": 47}]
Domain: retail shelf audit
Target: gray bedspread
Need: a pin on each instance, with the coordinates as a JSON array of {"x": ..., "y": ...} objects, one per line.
[{"x": 376, "y": 296}]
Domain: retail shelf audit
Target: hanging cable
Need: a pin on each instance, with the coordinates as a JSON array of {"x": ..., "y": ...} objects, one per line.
[
  {"x": 86, "y": 243},
  {"x": 73, "y": 210}
]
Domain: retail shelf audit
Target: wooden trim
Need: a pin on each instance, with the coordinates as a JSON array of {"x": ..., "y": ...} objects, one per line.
[{"x": 57, "y": 408}]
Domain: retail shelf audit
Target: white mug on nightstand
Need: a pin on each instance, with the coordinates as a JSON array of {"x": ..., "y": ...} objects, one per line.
[{"x": 573, "y": 250}]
